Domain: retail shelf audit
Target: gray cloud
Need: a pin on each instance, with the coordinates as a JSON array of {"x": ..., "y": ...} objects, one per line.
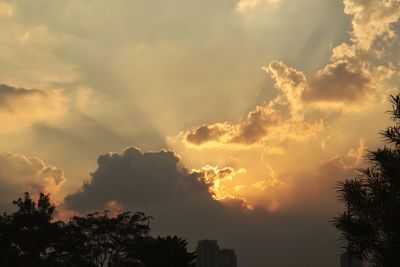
[
  {"x": 179, "y": 200},
  {"x": 339, "y": 82},
  {"x": 141, "y": 178},
  {"x": 206, "y": 133}
]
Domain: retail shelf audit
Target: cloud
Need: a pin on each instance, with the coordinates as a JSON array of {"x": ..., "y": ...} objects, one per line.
[
  {"x": 253, "y": 129},
  {"x": 30, "y": 55},
  {"x": 297, "y": 167},
  {"x": 337, "y": 82},
  {"x": 19, "y": 174},
  {"x": 6, "y": 10},
  {"x": 347, "y": 80},
  {"x": 344, "y": 82},
  {"x": 256, "y": 125},
  {"x": 371, "y": 19},
  {"x": 280, "y": 119},
  {"x": 219, "y": 180},
  {"x": 262, "y": 125},
  {"x": 181, "y": 202},
  {"x": 20, "y": 107},
  {"x": 291, "y": 83},
  {"x": 244, "y": 6},
  {"x": 358, "y": 153},
  {"x": 157, "y": 181},
  {"x": 205, "y": 133},
  {"x": 141, "y": 178},
  {"x": 337, "y": 167},
  {"x": 352, "y": 75}
]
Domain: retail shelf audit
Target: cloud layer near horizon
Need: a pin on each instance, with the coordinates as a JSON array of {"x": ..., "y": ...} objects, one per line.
[{"x": 182, "y": 203}]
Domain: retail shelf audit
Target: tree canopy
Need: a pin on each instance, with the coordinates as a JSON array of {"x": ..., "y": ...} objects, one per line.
[
  {"x": 30, "y": 237},
  {"x": 370, "y": 224}
]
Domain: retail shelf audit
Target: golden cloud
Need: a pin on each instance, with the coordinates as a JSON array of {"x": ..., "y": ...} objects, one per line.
[
  {"x": 19, "y": 173},
  {"x": 20, "y": 107},
  {"x": 217, "y": 180},
  {"x": 253, "y": 129},
  {"x": 280, "y": 119},
  {"x": 371, "y": 19},
  {"x": 352, "y": 74},
  {"x": 343, "y": 82},
  {"x": 294, "y": 124}
]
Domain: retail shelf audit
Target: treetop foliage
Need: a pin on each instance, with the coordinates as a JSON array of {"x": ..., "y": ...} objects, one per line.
[{"x": 31, "y": 237}]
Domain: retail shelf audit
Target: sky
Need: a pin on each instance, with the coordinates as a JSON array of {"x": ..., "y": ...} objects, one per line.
[{"x": 222, "y": 119}]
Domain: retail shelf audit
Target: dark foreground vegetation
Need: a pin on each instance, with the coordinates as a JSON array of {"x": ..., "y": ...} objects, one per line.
[
  {"x": 370, "y": 224},
  {"x": 30, "y": 237}
]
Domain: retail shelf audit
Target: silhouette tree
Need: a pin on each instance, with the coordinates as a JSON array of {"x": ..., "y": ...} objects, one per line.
[
  {"x": 370, "y": 225},
  {"x": 100, "y": 240},
  {"x": 27, "y": 237},
  {"x": 166, "y": 252}
]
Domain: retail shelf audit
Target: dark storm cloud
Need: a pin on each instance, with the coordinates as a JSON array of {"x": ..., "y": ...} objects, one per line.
[
  {"x": 137, "y": 178},
  {"x": 179, "y": 200}
]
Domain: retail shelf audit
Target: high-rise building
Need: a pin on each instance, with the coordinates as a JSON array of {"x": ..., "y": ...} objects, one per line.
[
  {"x": 227, "y": 258},
  {"x": 347, "y": 260},
  {"x": 209, "y": 255}
]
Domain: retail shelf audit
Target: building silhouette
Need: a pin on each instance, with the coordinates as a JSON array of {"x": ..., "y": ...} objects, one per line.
[
  {"x": 210, "y": 255},
  {"x": 347, "y": 260},
  {"x": 227, "y": 258}
]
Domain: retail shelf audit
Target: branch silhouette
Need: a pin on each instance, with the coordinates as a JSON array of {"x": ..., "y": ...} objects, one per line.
[{"x": 370, "y": 224}]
